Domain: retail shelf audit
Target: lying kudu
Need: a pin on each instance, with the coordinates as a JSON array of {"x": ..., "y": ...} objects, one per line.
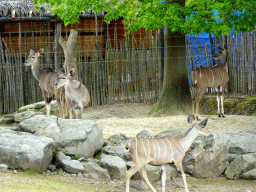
[
  {"x": 210, "y": 77},
  {"x": 161, "y": 151},
  {"x": 46, "y": 78},
  {"x": 77, "y": 96}
]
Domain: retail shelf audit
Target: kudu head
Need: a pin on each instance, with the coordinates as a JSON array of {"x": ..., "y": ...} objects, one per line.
[
  {"x": 199, "y": 127},
  {"x": 63, "y": 79},
  {"x": 33, "y": 56},
  {"x": 222, "y": 54}
]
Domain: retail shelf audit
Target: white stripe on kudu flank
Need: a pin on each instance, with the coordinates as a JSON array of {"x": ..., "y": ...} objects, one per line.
[
  {"x": 164, "y": 147},
  {"x": 143, "y": 145},
  {"x": 170, "y": 147},
  {"x": 148, "y": 147}
]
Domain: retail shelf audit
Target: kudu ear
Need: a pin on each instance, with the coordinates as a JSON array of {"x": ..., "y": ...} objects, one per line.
[
  {"x": 191, "y": 119},
  {"x": 203, "y": 123},
  {"x": 72, "y": 72},
  {"x": 41, "y": 51},
  {"x": 32, "y": 51}
]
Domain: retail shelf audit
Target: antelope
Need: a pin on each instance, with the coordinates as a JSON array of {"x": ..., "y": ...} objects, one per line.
[
  {"x": 46, "y": 78},
  {"x": 161, "y": 151},
  {"x": 211, "y": 77},
  {"x": 77, "y": 96}
]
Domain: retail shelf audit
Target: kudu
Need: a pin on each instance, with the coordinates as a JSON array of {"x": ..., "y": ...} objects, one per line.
[
  {"x": 47, "y": 78},
  {"x": 161, "y": 151},
  {"x": 77, "y": 96},
  {"x": 210, "y": 77}
]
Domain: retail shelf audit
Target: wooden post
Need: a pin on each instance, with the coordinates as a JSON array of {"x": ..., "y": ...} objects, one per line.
[
  {"x": 68, "y": 47},
  {"x": 57, "y": 35}
]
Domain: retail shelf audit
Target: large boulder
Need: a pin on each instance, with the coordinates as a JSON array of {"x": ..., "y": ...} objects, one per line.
[
  {"x": 95, "y": 171},
  {"x": 241, "y": 143},
  {"x": 76, "y": 137},
  {"x": 117, "y": 151},
  {"x": 242, "y": 164},
  {"x": 115, "y": 166},
  {"x": 25, "y": 151},
  {"x": 207, "y": 156},
  {"x": 69, "y": 165}
]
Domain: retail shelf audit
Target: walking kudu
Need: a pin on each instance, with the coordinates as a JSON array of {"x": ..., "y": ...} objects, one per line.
[
  {"x": 161, "y": 151},
  {"x": 77, "y": 96},
  {"x": 46, "y": 78},
  {"x": 211, "y": 77}
]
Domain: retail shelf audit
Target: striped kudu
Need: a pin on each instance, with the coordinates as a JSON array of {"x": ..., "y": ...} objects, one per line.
[
  {"x": 210, "y": 77},
  {"x": 46, "y": 78},
  {"x": 161, "y": 151}
]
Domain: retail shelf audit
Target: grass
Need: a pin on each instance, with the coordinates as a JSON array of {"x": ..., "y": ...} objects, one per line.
[{"x": 27, "y": 182}]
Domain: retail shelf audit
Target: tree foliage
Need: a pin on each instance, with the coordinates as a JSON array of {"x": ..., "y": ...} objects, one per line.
[{"x": 211, "y": 16}]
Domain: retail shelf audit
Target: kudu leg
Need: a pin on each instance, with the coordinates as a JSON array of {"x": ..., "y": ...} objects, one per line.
[
  {"x": 145, "y": 178},
  {"x": 48, "y": 105},
  {"x": 163, "y": 177},
  {"x": 180, "y": 168},
  {"x": 135, "y": 167},
  {"x": 222, "y": 99},
  {"x": 218, "y": 103}
]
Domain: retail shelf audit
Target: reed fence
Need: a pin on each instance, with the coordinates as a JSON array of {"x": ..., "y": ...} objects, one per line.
[{"x": 114, "y": 70}]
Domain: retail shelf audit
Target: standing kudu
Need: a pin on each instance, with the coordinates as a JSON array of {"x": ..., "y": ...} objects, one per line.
[
  {"x": 77, "y": 96},
  {"x": 46, "y": 78},
  {"x": 161, "y": 151},
  {"x": 210, "y": 77}
]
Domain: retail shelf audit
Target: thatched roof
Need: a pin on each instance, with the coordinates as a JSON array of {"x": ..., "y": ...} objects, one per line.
[{"x": 25, "y": 9}]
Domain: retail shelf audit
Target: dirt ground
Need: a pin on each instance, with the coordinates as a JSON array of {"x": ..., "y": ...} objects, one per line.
[{"x": 130, "y": 119}]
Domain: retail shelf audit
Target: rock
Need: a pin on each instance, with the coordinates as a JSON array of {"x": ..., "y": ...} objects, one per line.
[
  {"x": 19, "y": 117},
  {"x": 144, "y": 133},
  {"x": 6, "y": 119},
  {"x": 80, "y": 176},
  {"x": 52, "y": 168},
  {"x": 25, "y": 151},
  {"x": 241, "y": 165},
  {"x": 116, "y": 139},
  {"x": 241, "y": 142},
  {"x": 70, "y": 166},
  {"x": 3, "y": 168},
  {"x": 115, "y": 166},
  {"x": 249, "y": 175},
  {"x": 117, "y": 151},
  {"x": 171, "y": 172},
  {"x": 95, "y": 171},
  {"x": 207, "y": 156},
  {"x": 174, "y": 131},
  {"x": 34, "y": 106},
  {"x": 76, "y": 137}
]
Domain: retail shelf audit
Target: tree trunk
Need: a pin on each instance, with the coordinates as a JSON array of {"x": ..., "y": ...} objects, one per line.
[
  {"x": 175, "y": 97},
  {"x": 68, "y": 47}
]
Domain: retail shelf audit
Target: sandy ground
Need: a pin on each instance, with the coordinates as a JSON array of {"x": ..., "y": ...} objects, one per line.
[{"x": 130, "y": 119}]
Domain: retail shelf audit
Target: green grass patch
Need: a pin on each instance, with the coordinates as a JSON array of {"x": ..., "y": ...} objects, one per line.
[{"x": 26, "y": 182}]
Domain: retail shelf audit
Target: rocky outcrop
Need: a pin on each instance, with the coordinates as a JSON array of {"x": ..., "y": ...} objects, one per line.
[
  {"x": 71, "y": 136},
  {"x": 117, "y": 151},
  {"x": 207, "y": 156},
  {"x": 95, "y": 171},
  {"x": 70, "y": 166},
  {"x": 25, "y": 151},
  {"x": 240, "y": 167},
  {"x": 240, "y": 143},
  {"x": 115, "y": 166}
]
